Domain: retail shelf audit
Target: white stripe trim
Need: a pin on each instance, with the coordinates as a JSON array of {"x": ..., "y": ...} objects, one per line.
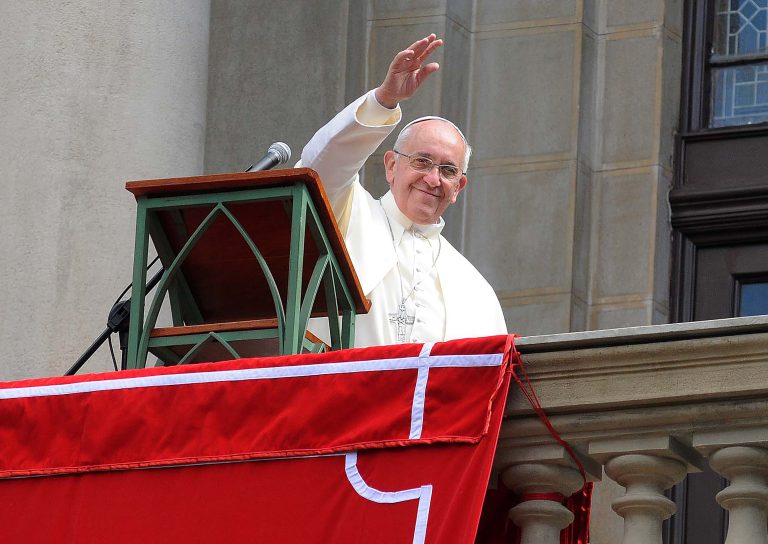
[
  {"x": 423, "y": 494},
  {"x": 376, "y": 365},
  {"x": 420, "y": 392}
]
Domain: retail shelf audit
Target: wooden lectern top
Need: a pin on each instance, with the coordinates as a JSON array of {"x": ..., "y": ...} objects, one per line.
[{"x": 221, "y": 270}]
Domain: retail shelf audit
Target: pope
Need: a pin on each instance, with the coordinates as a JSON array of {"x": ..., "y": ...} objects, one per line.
[{"x": 421, "y": 288}]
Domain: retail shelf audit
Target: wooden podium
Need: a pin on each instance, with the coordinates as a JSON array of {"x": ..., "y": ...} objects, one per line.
[{"x": 248, "y": 259}]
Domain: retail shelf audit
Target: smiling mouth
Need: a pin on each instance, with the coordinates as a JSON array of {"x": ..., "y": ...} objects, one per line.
[{"x": 427, "y": 192}]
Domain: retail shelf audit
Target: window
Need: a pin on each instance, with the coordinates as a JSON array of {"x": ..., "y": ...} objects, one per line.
[
  {"x": 753, "y": 298},
  {"x": 739, "y": 63}
]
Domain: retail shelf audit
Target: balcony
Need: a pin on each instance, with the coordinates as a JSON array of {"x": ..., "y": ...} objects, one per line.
[{"x": 646, "y": 406}]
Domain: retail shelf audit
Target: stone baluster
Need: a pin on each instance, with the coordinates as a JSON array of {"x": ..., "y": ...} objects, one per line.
[
  {"x": 644, "y": 505},
  {"x": 746, "y": 498},
  {"x": 542, "y": 487}
]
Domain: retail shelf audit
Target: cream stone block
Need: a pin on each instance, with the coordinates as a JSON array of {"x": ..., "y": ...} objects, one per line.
[
  {"x": 629, "y": 117},
  {"x": 660, "y": 445},
  {"x": 611, "y": 15},
  {"x": 631, "y": 12},
  {"x": 499, "y": 14},
  {"x": 583, "y": 227},
  {"x": 524, "y": 97},
  {"x": 537, "y": 315},
  {"x": 356, "y": 70},
  {"x": 660, "y": 315},
  {"x": 462, "y": 13},
  {"x": 579, "y": 315},
  {"x": 550, "y": 453},
  {"x": 590, "y": 98},
  {"x": 673, "y": 16},
  {"x": 626, "y": 211},
  {"x": 456, "y": 73},
  {"x": 611, "y": 316},
  {"x": 387, "y": 9},
  {"x": 495, "y": 13},
  {"x": 662, "y": 245},
  {"x": 590, "y": 13},
  {"x": 672, "y": 59},
  {"x": 709, "y": 441},
  {"x": 260, "y": 92},
  {"x": 519, "y": 230}
]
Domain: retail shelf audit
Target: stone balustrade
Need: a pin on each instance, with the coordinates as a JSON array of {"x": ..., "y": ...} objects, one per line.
[{"x": 644, "y": 407}]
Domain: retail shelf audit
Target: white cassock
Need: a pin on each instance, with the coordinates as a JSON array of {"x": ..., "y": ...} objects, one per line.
[{"x": 397, "y": 261}]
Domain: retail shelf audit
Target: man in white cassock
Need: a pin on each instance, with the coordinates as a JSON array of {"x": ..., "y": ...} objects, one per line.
[{"x": 421, "y": 289}]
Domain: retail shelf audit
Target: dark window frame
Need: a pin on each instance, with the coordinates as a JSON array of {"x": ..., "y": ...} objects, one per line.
[
  {"x": 731, "y": 208},
  {"x": 719, "y": 199}
]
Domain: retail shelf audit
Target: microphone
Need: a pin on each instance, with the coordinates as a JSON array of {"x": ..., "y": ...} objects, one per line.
[{"x": 278, "y": 153}]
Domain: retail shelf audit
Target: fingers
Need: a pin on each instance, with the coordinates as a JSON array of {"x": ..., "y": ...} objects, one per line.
[
  {"x": 417, "y": 52},
  {"x": 428, "y": 69},
  {"x": 403, "y": 56},
  {"x": 420, "y": 50},
  {"x": 429, "y": 49},
  {"x": 419, "y": 46}
]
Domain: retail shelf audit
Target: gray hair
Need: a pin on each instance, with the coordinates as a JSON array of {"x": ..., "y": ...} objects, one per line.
[{"x": 406, "y": 132}]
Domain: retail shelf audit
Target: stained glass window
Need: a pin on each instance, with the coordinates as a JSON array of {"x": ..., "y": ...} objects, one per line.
[{"x": 739, "y": 67}]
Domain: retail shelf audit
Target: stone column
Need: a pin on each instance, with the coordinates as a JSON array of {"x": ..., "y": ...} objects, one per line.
[
  {"x": 644, "y": 505},
  {"x": 93, "y": 94},
  {"x": 746, "y": 498},
  {"x": 541, "y": 518}
]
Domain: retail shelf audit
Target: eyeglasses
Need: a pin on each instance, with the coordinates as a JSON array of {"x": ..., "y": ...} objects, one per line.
[{"x": 448, "y": 172}]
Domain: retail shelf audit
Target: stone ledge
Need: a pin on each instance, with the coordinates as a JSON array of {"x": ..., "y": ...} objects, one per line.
[{"x": 642, "y": 335}]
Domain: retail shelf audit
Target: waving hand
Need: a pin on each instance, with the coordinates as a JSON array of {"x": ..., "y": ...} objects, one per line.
[{"x": 407, "y": 72}]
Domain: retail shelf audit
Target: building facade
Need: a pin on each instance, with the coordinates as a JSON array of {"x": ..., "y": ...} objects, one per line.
[{"x": 617, "y": 165}]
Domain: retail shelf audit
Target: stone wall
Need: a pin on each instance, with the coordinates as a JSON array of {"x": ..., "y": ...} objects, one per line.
[
  {"x": 570, "y": 106},
  {"x": 92, "y": 94}
]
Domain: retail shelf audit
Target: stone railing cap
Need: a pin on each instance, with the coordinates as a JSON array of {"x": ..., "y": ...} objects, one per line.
[{"x": 642, "y": 335}]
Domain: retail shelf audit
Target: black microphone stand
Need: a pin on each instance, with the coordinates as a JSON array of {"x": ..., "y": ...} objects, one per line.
[{"x": 118, "y": 321}]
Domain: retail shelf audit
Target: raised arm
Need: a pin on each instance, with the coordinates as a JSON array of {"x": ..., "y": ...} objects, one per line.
[{"x": 339, "y": 149}]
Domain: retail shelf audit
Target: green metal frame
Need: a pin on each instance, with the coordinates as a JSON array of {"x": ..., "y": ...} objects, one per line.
[{"x": 292, "y": 311}]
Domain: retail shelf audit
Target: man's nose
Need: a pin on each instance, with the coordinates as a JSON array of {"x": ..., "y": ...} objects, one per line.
[{"x": 432, "y": 176}]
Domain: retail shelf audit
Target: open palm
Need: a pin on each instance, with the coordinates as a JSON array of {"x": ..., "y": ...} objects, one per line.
[{"x": 407, "y": 71}]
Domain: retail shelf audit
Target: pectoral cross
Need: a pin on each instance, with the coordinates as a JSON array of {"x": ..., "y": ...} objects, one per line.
[{"x": 402, "y": 319}]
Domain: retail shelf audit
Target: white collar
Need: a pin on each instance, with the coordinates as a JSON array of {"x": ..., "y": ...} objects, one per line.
[{"x": 400, "y": 223}]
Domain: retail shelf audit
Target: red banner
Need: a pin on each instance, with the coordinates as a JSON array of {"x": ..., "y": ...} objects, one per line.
[{"x": 388, "y": 444}]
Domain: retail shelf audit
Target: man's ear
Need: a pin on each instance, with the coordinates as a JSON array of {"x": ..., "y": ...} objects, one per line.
[
  {"x": 389, "y": 165},
  {"x": 462, "y": 183}
]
